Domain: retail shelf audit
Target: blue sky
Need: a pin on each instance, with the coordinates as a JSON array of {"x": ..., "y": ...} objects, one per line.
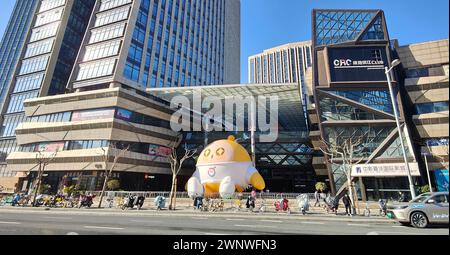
[{"x": 269, "y": 23}]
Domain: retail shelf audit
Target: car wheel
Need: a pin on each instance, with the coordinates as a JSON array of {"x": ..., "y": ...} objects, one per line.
[{"x": 419, "y": 220}]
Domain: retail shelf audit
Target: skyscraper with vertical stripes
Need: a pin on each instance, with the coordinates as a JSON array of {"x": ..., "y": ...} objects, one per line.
[
  {"x": 85, "y": 45},
  {"x": 160, "y": 43},
  {"x": 44, "y": 62},
  {"x": 13, "y": 41},
  {"x": 283, "y": 64}
]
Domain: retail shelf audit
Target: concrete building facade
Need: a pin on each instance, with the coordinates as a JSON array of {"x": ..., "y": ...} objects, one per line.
[{"x": 426, "y": 81}]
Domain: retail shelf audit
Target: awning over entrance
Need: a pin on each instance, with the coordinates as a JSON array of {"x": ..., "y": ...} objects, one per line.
[{"x": 291, "y": 115}]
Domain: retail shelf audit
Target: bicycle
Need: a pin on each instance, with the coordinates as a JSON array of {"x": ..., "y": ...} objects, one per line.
[
  {"x": 120, "y": 202},
  {"x": 262, "y": 206},
  {"x": 237, "y": 205}
]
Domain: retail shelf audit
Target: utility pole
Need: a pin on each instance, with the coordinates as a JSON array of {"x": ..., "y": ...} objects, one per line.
[
  {"x": 399, "y": 128},
  {"x": 428, "y": 171}
]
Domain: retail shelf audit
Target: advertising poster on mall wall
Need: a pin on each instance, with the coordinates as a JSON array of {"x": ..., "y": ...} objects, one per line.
[
  {"x": 442, "y": 181},
  {"x": 157, "y": 150},
  {"x": 50, "y": 147},
  {"x": 355, "y": 64},
  {"x": 384, "y": 170},
  {"x": 124, "y": 114},
  {"x": 93, "y": 114}
]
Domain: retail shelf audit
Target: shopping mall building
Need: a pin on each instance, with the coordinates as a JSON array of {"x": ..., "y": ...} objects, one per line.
[{"x": 343, "y": 92}]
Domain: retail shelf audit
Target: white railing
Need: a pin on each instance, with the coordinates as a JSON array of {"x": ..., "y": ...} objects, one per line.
[{"x": 154, "y": 194}]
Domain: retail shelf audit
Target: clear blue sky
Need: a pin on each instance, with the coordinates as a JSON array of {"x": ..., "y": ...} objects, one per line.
[{"x": 269, "y": 23}]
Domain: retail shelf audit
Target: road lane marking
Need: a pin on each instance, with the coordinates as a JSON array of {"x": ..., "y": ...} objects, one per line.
[
  {"x": 373, "y": 234},
  {"x": 254, "y": 226},
  {"x": 312, "y": 223},
  {"x": 358, "y": 225},
  {"x": 200, "y": 218},
  {"x": 215, "y": 234},
  {"x": 399, "y": 227},
  {"x": 400, "y": 233},
  {"x": 235, "y": 219},
  {"x": 146, "y": 221},
  {"x": 98, "y": 227},
  {"x": 72, "y": 234},
  {"x": 272, "y": 221},
  {"x": 10, "y": 222},
  {"x": 58, "y": 218}
]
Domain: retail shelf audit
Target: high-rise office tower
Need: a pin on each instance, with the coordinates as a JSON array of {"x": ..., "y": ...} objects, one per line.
[
  {"x": 10, "y": 49},
  {"x": 118, "y": 44},
  {"x": 45, "y": 63},
  {"x": 283, "y": 64},
  {"x": 160, "y": 43},
  {"x": 13, "y": 41}
]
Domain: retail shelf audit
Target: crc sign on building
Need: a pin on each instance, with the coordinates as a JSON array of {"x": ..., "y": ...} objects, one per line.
[
  {"x": 357, "y": 64},
  {"x": 384, "y": 170}
]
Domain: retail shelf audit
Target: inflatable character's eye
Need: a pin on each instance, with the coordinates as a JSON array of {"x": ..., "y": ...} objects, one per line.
[
  {"x": 207, "y": 153},
  {"x": 220, "y": 151}
]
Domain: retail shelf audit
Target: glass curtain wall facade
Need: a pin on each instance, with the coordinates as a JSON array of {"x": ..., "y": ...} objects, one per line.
[
  {"x": 351, "y": 49},
  {"x": 88, "y": 45},
  {"x": 160, "y": 43},
  {"x": 13, "y": 41},
  {"x": 46, "y": 62}
]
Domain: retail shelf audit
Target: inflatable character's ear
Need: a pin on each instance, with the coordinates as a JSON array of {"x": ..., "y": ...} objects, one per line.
[{"x": 231, "y": 138}]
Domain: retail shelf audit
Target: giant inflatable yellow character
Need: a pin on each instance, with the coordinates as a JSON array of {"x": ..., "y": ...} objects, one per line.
[{"x": 224, "y": 167}]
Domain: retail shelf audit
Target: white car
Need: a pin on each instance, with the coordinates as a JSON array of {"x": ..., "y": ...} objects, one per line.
[{"x": 426, "y": 209}]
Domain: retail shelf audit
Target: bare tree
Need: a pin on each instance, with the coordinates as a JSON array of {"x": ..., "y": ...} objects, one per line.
[
  {"x": 118, "y": 154},
  {"x": 344, "y": 150},
  {"x": 42, "y": 160},
  {"x": 175, "y": 165}
]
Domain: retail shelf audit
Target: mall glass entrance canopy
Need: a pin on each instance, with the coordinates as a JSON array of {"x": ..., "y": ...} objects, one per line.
[{"x": 290, "y": 110}]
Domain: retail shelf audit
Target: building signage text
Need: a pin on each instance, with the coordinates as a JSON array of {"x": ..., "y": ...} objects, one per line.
[{"x": 386, "y": 170}]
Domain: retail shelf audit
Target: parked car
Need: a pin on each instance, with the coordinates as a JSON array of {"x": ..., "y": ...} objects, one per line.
[{"x": 426, "y": 209}]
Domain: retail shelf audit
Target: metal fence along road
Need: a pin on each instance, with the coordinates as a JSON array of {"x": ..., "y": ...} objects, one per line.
[{"x": 154, "y": 194}]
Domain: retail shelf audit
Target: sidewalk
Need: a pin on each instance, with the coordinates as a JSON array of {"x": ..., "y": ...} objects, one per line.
[{"x": 190, "y": 212}]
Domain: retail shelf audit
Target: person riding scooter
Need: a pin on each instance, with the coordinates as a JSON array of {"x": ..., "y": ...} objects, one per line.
[
  {"x": 86, "y": 201},
  {"x": 139, "y": 202},
  {"x": 129, "y": 202},
  {"x": 16, "y": 200}
]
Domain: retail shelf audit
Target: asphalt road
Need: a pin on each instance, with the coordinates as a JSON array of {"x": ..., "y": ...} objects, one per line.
[{"x": 74, "y": 223}]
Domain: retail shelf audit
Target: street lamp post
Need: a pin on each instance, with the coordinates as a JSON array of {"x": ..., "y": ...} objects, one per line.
[
  {"x": 397, "y": 120},
  {"x": 425, "y": 155}
]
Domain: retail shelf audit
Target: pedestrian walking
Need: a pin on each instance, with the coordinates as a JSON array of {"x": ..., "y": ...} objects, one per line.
[
  {"x": 402, "y": 197},
  {"x": 253, "y": 194},
  {"x": 348, "y": 204},
  {"x": 317, "y": 198}
]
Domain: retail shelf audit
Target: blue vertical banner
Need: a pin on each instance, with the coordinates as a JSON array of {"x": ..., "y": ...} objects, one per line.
[{"x": 441, "y": 177}]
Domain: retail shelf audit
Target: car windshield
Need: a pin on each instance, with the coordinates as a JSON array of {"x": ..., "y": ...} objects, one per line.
[{"x": 422, "y": 198}]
